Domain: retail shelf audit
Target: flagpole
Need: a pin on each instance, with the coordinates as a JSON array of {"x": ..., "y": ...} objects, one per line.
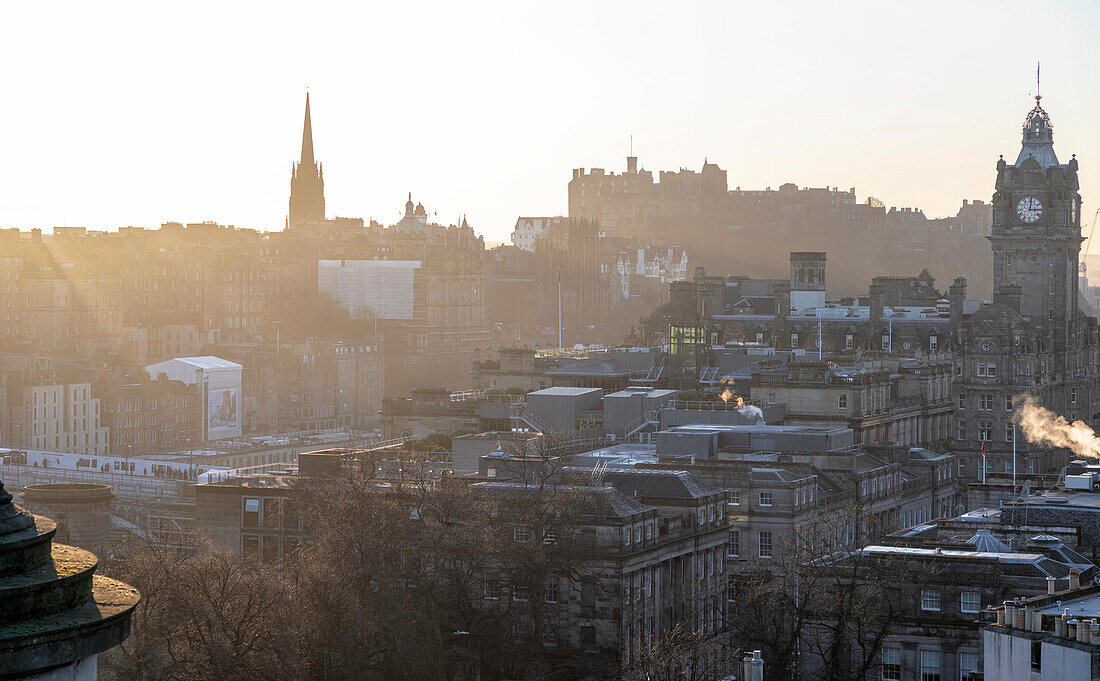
[{"x": 1013, "y": 458}]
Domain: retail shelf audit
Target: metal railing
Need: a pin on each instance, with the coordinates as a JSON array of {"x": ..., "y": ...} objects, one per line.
[
  {"x": 519, "y": 413},
  {"x": 652, "y": 417}
]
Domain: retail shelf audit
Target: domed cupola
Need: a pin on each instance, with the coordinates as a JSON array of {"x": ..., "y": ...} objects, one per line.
[{"x": 1038, "y": 138}]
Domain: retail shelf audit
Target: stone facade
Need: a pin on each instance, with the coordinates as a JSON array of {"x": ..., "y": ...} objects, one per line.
[{"x": 1034, "y": 338}]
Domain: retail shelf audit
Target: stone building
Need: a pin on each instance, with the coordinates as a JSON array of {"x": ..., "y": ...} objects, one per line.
[
  {"x": 783, "y": 478},
  {"x": 907, "y": 401},
  {"x": 937, "y": 595},
  {"x": 49, "y": 407},
  {"x": 1035, "y": 337},
  {"x": 647, "y": 551},
  {"x": 145, "y": 416},
  {"x": 740, "y": 229},
  {"x": 1044, "y": 638}
]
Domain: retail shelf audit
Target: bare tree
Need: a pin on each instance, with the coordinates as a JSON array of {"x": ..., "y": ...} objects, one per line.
[
  {"x": 819, "y": 609},
  {"x": 208, "y": 615}
]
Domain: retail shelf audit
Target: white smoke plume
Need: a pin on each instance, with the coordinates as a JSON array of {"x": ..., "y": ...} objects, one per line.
[
  {"x": 749, "y": 411},
  {"x": 1041, "y": 426}
]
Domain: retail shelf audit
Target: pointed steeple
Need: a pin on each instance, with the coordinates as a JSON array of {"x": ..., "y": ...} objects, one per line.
[
  {"x": 307, "y": 183},
  {"x": 307, "y": 139}
]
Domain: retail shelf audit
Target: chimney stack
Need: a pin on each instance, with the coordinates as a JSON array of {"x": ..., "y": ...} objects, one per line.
[
  {"x": 957, "y": 297},
  {"x": 878, "y": 297}
]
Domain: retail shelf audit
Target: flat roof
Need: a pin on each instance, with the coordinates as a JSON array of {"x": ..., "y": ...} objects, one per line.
[
  {"x": 726, "y": 428},
  {"x": 205, "y": 362},
  {"x": 1087, "y": 606},
  {"x": 567, "y": 391},
  {"x": 1063, "y": 498},
  {"x": 951, "y": 553}
]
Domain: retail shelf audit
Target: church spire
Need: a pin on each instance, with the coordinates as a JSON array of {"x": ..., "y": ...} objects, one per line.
[
  {"x": 307, "y": 138},
  {"x": 307, "y": 184}
]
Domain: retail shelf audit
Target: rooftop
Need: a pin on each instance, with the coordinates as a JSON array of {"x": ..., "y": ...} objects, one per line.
[{"x": 206, "y": 362}]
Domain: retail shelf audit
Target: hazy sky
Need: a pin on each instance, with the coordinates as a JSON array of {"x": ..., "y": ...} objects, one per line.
[{"x": 133, "y": 114}]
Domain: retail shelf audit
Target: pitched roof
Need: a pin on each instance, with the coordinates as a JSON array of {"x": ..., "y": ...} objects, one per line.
[{"x": 658, "y": 483}]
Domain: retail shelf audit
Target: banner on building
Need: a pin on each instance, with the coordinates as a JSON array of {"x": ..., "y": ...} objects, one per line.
[{"x": 221, "y": 413}]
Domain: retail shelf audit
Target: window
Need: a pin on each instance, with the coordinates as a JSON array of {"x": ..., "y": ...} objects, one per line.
[
  {"x": 985, "y": 430},
  {"x": 930, "y": 600},
  {"x": 271, "y": 512},
  {"x": 519, "y": 632},
  {"x": 849, "y": 341},
  {"x": 962, "y": 401},
  {"x": 520, "y": 533},
  {"x": 492, "y": 589},
  {"x": 250, "y": 546},
  {"x": 961, "y": 434},
  {"x": 765, "y": 498},
  {"x": 842, "y": 401},
  {"x": 549, "y": 537},
  {"x": 1073, "y": 396},
  {"x": 958, "y": 370},
  {"x": 968, "y": 662},
  {"x": 933, "y": 342},
  {"x": 970, "y": 602},
  {"x": 735, "y": 497},
  {"x": 985, "y": 402},
  {"x": 891, "y": 664},
  {"x": 1037, "y": 655},
  {"x": 1008, "y": 403},
  {"x": 794, "y": 340},
  {"x": 551, "y": 593},
  {"x": 251, "y": 513},
  {"x": 627, "y": 534},
  {"x": 771, "y": 398},
  {"x": 759, "y": 336},
  {"x": 991, "y": 371},
  {"x": 981, "y": 369},
  {"x": 929, "y": 665},
  {"x": 648, "y": 531},
  {"x": 588, "y": 636},
  {"x": 765, "y": 544},
  {"x": 520, "y": 592},
  {"x": 1010, "y": 432},
  {"x": 885, "y": 342},
  {"x": 735, "y": 543}
]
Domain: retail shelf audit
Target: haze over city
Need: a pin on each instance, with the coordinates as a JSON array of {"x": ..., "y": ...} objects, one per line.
[
  {"x": 601, "y": 341},
  {"x": 136, "y": 115}
]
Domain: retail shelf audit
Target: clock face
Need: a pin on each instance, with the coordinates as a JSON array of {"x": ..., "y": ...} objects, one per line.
[{"x": 1029, "y": 209}]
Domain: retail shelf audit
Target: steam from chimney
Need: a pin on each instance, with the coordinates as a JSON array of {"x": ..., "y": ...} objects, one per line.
[
  {"x": 749, "y": 411},
  {"x": 1043, "y": 427}
]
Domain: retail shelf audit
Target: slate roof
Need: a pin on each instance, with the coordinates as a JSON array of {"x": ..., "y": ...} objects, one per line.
[
  {"x": 662, "y": 484},
  {"x": 600, "y": 501}
]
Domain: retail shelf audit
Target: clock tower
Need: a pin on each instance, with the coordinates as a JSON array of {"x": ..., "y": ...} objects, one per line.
[{"x": 1036, "y": 235}]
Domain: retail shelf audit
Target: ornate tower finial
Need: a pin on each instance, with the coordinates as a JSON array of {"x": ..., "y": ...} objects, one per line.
[{"x": 1038, "y": 93}]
